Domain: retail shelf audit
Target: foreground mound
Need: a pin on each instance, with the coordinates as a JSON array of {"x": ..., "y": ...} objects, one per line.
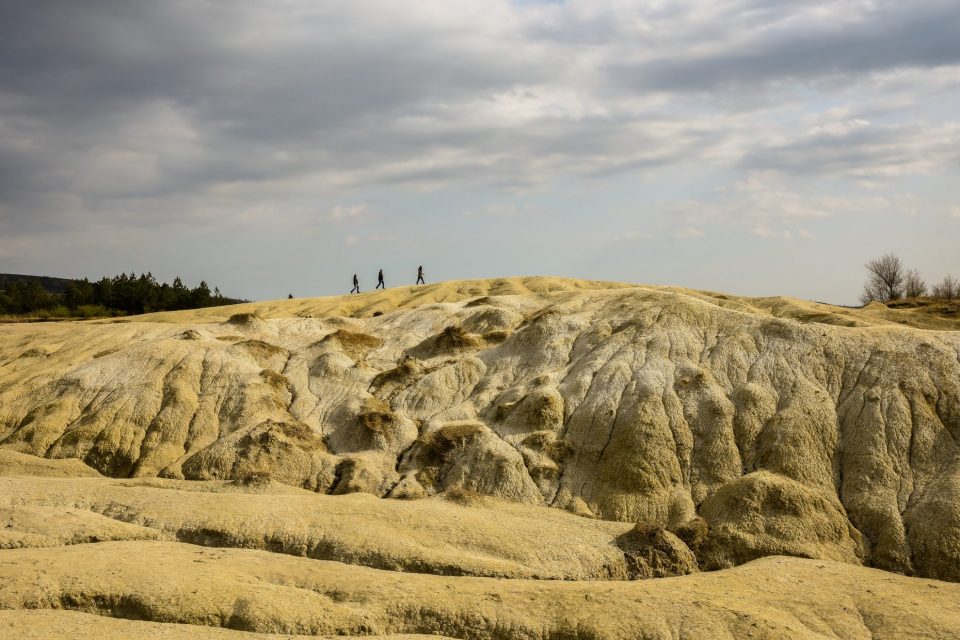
[
  {"x": 69, "y": 625},
  {"x": 484, "y": 538},
  {"x": 742, "y": 428},
  {"x": 271, "y": 571},
  {"x": 263, "y": 592}
]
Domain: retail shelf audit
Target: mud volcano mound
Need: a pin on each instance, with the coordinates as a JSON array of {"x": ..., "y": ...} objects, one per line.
[{"x": 426, "y": 439}]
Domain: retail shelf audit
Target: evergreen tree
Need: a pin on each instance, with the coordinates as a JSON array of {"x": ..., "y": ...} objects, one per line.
[{"x": 124, "y": 293}]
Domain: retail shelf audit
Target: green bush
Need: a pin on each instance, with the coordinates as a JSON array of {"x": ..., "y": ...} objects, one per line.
[
  {"x": 93, "y": 311},
  {"x": 58, "y": 311}
]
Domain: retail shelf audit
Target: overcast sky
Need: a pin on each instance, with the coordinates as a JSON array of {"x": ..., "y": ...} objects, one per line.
[{"x": 751, "y": 146}]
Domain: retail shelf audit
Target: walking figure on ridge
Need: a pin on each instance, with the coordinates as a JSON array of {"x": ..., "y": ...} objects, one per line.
[
  {"x": 420, "y": 279},
  {"x": 356, "y": 285},
  {"x": 380, "y": 284}
]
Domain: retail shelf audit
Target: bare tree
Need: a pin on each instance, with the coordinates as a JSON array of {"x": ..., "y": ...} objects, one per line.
[
  {"x": 949, "y": 288},
  {"x": 885, "y": 281},
  {"x": 913, "y": 284}
]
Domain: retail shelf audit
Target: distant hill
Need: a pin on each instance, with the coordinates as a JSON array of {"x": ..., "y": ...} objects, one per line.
[{"x": 50, "y": 285}]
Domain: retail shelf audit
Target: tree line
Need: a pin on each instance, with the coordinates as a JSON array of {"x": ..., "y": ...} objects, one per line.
[
  {"x": 889, "y": 279},
  {"x": 120, "y": 295}
]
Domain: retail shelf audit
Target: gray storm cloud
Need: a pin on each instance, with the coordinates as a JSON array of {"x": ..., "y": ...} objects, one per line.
[{"x": 148, "y": 114}]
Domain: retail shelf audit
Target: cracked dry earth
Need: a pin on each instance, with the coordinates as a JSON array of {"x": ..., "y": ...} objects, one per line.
[{"x": 514, "y": 458}]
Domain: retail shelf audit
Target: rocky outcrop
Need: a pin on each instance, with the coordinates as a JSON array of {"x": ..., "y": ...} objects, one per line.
[
  {"x": 764, "y": 514},
  {"x": 654, "y": 552}
]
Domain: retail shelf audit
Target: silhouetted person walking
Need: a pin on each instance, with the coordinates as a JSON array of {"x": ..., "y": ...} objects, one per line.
[
  {"x": 356, "y": 285},
  {"x": 420, "y": 276},
  {"x": 380, "y": 284}
]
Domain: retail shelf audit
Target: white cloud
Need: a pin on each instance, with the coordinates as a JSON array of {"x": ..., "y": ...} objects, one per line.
[
  {"x": 340, "y": 212},
  {"x": 636, "y": 236},
  {"x": 500, "y": 210},
  {"x": 769, "y": 204},
  {"x": 351, "y": 241},
  {"x": 759, "y": 200},
  {"x": 766, "y": 232},
  {"x": 688, "y": 232}
]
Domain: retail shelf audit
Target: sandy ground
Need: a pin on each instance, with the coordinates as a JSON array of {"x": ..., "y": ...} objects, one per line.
[{"x": 143, "y": 583}]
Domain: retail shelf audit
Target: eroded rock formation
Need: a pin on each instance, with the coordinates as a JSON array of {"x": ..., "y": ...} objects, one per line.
[{"x": 782, "y": 428}]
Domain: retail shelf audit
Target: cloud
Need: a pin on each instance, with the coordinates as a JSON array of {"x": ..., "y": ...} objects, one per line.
[
  {"x": 766, "y": 232},
  {"x": 499, "y": 210},
  {"x": 156, "y": 98},
  {"x": 770, "y": 204},
  {"x": 341, "y": 212},
  {"x": 133, "y": 117},
  {"x": 758, "y": 200},
  {"x": 856, "y": 148},
  {"x": 768, "y": 42},
  {"x": 687, "y": 233},
  {"x": 636, "y": 236}
]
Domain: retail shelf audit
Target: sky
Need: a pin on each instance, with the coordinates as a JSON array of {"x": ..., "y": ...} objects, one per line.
[{"x": 755, "y": 147}]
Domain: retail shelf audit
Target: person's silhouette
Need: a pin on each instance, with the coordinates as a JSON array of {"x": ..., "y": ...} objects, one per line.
[
  {"x": 420, "y": 276},
  {"x": 356, "y": 285},
  {"x": 380, "y": 284}
]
